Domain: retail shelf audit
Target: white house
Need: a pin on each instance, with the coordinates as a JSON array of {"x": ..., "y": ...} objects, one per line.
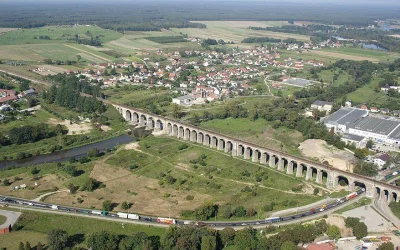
[
  {"x": 381, "y": 160},
  {"x": 184, "y": 100},
  {"x": 322, "y": 106}
]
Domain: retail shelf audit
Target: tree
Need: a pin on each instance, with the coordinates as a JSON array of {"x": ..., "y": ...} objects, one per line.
[
  {"x": 133, "y": 242},
  {"x": 102, "y": 241},
  {"x": 240, "y": 211},
  {"x": 176, "y": 111},
  {"x": 39, "y": 246},
  {"x": 93, "y": 152},
  {"x": 360, "y": 153},
  {"x": 125, "y": 205},
  {"x": 227, "y": 212},
  {"x": 333, "y": 232},
  {"x": 227, "y": 236},
  {"x": 28, "y": 246},
  {"x": 209, "y": 243},
  {"x": 21, "y": 246},
  {"x": 386, "y": 246},
  {"x": 246, "y": 239},
  {"x": 360, "y": 230},
  {"x": 107, "y": 205},
  {"x": 57, "y": 239},
  {"x": 370, "y": 144},
  {"x": 6, "y": 182},
  {"x": 78, "y": 57},
  {"x": 288, "y": 245}
]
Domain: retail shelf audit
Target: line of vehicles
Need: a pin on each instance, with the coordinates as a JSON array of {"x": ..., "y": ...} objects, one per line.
[{"x": 170, "y": 221}]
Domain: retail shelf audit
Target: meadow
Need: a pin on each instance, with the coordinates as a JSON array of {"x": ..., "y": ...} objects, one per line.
[{"x": 35, "y": 225}]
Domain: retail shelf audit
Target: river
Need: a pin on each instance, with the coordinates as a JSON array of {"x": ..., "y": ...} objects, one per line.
[{"x": 77, "y": 153}]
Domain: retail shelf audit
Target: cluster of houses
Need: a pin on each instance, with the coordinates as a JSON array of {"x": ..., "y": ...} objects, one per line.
[
  {"x": 9, "y": 95},
  {"x": 312, "y": 46}
]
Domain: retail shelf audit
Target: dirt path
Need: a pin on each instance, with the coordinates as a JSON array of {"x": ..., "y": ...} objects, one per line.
[
  {"x": 48, "y": 194},
  {"x": 342, "y": 55},
  {"x": 89, "y": 53}
]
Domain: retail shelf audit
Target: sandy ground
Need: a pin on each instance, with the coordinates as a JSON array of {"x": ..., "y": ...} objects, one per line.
[
  {"x": 48, "y": 182},
  {"x": 50, "y": 70},
  {"x": 341, "y": 55},
  {"x": 319, "y": 149},
  {"x": 73, "y": 129},
  {"x": 144, "y": 193},
  {"x": 338, "y": 221}
]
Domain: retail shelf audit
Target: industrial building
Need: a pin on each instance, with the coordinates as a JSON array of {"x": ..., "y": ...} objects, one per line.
[{"x": 358, "y": 122}]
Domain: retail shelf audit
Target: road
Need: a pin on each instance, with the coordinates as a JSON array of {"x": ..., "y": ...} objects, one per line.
[
  {"x": 302, "y": 216},
  {"x": 24, "y": 77},
  {"x": 383, "y": 208},
  {"x": 11, "y": 216}
]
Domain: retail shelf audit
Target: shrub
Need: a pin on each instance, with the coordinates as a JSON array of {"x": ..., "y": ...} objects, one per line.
[
  {"x": 240, "y": 211},
  {"x": 189, "y": 197},
  {"x": 182, "y": 146},
  {"x": 316, "y": 191}
]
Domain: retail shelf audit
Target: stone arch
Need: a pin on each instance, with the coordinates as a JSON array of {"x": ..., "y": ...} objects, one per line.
[
  {"x": 256, "y": 156},
  {"x": 358, "y": 184},
  {"x": 128, "y": 115},
  {"x": 343, "y": 181},
  {"x": 264, "y": 158},
  {"x": 221, "y": 144},
  {"x": 150, "y": 123},
  {"x": 378, "y": 192},
  {"x": 181, "y": 132},
  {"x": 214, "y": 142},
  {"x": 395, "y": 197},
  {"x": 228, "y": 146},
  {"x": 175, "y": 130},
  {"x": 248, "y": 153},
  {"x": 193, "y": 136},
  {"x": 135, "y": 117},
  {"x": 187, "y": 134},
  {"x": 169, "y": 128},
  {"x": 200, "y": 138},
  {"x": 159, "y": 125},
  {"x": 282, "y": 163},
  {"x": 207, "y": 140},
  {"x": 240, "y": 150},
  {"x": 142, "y": 120},
  {"x": 273, "y": 160},
  {"x": 386, "y": 194}
]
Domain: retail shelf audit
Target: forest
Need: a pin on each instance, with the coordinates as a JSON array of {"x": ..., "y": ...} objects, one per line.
[
  {"x": 269, "y": 40},
  {"x": 155, "y": 15},
  {"x": 167, "y": 39}
]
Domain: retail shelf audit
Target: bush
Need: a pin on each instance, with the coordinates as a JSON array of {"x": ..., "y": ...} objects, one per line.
[
  {"x": 6, "y": 182},
  {"x": 240, "y": 211},
  {"x": 269, "y": 207},
  {"x": 93, "y": 152},
  {"x": 316, "y": 191},
  {"x": 107, "y": 205},
  {"x": 189, "y": 197},
  {"x": 182, "y": 146}
]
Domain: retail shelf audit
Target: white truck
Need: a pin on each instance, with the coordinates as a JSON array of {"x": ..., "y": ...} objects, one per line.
[
  {"x": 133, "y": 216},
  {"x": 54, "y": 207},
  {"x": 123, "y": 215}
]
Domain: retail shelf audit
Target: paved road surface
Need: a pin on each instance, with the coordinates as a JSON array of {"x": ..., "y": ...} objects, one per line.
[
  {"x": 12, "y": 217},
  {"x": 383, "y": 207}
]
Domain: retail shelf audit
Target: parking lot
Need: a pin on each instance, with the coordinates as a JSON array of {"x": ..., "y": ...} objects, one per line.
[{"x": 374, "y": 221}]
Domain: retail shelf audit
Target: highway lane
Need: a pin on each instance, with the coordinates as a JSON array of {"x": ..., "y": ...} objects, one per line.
[{"x": 151, "y": 220}]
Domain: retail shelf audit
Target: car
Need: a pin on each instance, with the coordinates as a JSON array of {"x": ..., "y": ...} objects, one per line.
[
  {"x": 244, "y": 224},
  {"x": 234, "y": 224},
  {"x": 257, "y": 223},
  {"x": 147, "y": 219},
  {"x": 321, "y": 210},
  {"x": 113, "y": 215},
  {"x": 312, "y": 210}
]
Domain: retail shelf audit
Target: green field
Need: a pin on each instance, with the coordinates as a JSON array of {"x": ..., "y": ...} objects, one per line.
[
  {"x": 35, "y": 226},
  {"x": 362, "y": 202},
  {"x": 379, "y": 55},
  {"x": 259, "y": 132},
  {"x": 57, "y": 34},
  {"x": 222, "y": 176},
  {"x": 2, "y": 219},
  {"x": 367, "y": 94}
]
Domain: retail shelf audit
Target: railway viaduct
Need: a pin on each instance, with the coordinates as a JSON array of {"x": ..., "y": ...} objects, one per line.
[{"x": 293, "y": 165}]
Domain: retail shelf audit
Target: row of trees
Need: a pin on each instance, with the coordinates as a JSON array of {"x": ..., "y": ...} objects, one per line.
[
  {"x": 31, "y": 133},
  {"x": 192, "y": 238},
  {"x": 167, "y": 39}
]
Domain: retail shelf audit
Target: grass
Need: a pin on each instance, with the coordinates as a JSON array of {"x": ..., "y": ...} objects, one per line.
[
  {"x": 161, "y": 155},
  {"x": 2, "y": 219},
  {"x": 57, "y": 35},
  {"x": 258, "y": 131},
  {"x": 362, "y": 202},
  {"x": 339, "y": 194},
  {"x": 11, "y": 241},
  {"x": 379, "y": 55},
  {"x": 35, "y": 226}
]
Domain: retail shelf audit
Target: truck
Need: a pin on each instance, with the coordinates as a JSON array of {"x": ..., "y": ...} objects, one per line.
[
  {"x": 166, "y": 220},
  {"x": 123, "y": 215},
  {"x": 133, "y": 216},
  {"x": 385, "y": 238},
  {"x": 396, "y": 232},
  {"x": 54, "y": 207},
  {"x": 102, "y": 213},
  {"x": 272, "y": 219},
  {"x": 351, "y": 196}
]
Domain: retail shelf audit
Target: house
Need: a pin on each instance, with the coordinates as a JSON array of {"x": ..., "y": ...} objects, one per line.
[
  {"x": 183, "y": 100},
  {"x": 381, "y": 160},
  {"x": 7, "y": 96},
  {"x": 365, "y": 107},
  {"x": 28, "y": 92},
  {"x": 385, "y": 111},
  {"x": 374, "y": 110},
  {"x": 396, "y": 112},
  {"x": 322, "y": 106}
]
